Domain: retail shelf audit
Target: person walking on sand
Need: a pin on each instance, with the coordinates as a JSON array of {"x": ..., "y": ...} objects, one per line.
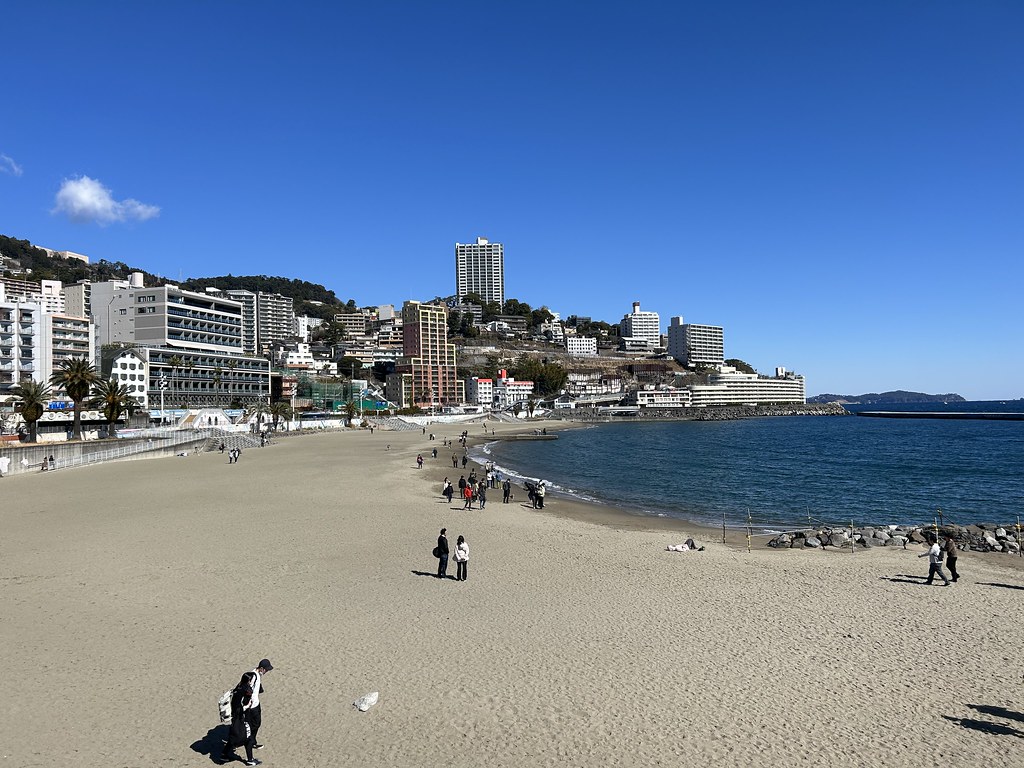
[
  {"x": 442, "y": 554},
  {"x": 455, "y": 462},
  {"x": 949, "y": 547},
  {"x": 934, "y": 555},
  {"x": 467, "y": 495},
  {"x": 246, "y": 723},
  {"x": 461, "y": 558},
  {"x": 448, "y": 490},
  {"x": 481, "y": 494},
  {"x": 539, "y": 494},
  {"x": 419, "y": 461},
  {"x": 506, "y": 491}
]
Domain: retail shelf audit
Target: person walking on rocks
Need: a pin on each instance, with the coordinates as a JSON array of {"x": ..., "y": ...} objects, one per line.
[
  {"x": 934, "y": 555},
  {"x": 442, "y": 554},
  {"x": 949, "y": 547},
  {"x": 461, "y": 558}
]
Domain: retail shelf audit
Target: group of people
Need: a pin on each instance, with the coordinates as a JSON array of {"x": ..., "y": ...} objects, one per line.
[
  {"x": 246, "y": 716},
  {"x": 935, "y": 555},
  {"x": 233, "y": 455},
  {"x": 461, "y": 556},
  {"x": 469, "y": 491}
]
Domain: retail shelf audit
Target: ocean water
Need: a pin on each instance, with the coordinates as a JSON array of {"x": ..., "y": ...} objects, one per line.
[{"x": 784, "y": 471}]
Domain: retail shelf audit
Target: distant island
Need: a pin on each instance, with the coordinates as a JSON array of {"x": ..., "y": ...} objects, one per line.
[{"x": 897, "y": 396}]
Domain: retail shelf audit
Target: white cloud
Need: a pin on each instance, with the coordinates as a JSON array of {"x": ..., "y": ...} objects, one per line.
[
  {"x": 84, "y": 199},
  {"x": 7, "y": 165}
]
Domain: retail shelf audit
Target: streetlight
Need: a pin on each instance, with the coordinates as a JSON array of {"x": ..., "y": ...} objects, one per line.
[{"x": 162, "y": 386}]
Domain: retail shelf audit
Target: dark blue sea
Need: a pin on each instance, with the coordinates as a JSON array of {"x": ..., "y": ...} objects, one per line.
[{"x": 786, "y": 470}]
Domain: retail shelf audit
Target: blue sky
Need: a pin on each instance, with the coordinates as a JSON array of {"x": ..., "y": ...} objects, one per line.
[{"x": 839, "y": 185}]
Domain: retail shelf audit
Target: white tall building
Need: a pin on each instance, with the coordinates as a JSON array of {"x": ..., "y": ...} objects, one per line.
[
  {"x": 694, "y": 345},
  {"x": 641, "y": 325},
  {"x": 276, "y": 318},
  {"x": 480, "y": 269},
  {"x": 581, "y": 346},
  {"x": 248, "y": 301}
]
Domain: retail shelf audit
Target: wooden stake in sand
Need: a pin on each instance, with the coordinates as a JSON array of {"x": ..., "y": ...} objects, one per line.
[{"x": 748, "y": 530}]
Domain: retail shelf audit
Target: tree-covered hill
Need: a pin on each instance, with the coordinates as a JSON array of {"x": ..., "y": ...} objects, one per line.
[{"x": 895, "y": 396}]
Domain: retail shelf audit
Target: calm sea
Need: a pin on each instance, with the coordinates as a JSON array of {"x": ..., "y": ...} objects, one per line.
[{"x": 783, "y": 470}]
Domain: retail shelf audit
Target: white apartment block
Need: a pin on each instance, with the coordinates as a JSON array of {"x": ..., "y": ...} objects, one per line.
[
  {"x": 666, "y": 397},
  {"x": 508, "y": 392},
  {"x": 480, "y": 391},
  {"x": 21, "y": 344},
  {"x": 694, "y": 345},
  {"x": 47, "y": 293},
  {"x": 581, "y": 346},
  {"x": 248, "y": 301},
  {"x": 275, "y": 318},
  {"x": 641, "y": 325},
  {"x": 304, "y": 325},
  {"x": 584, "y": 383},
  {"x": 730, "y": 387},
  {"x": 480, "y": 269}
]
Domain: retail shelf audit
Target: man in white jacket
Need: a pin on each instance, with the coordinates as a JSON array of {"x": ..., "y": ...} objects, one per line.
[{"x": 934, "y": 555}]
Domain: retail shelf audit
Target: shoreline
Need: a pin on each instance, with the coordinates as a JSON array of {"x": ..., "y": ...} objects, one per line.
[{"x": 624, "y": 519}]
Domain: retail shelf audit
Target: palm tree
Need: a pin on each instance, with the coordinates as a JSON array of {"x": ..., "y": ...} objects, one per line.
[
  {"x": 350, "y": 412},
  {"x": 280, "y": 410},
  {"x": 531, "y": 406},
  {"x": 76, "y": 377},
  {"x": 32, "y": 396},
  {"x": 232, "y": 364},
  {"x": 190, "y": 365},
  {"x": 217, "y": 378},
  {"x": 175, "y": 363},
  {"x": 112, "y": 398},
  {"x": 259, "y": 409}
]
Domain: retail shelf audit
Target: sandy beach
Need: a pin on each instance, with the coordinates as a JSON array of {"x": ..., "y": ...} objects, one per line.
[{"x": 134, "y": 594}]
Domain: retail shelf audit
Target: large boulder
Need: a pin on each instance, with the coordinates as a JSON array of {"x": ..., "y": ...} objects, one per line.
[
  {"x": 917, "y": 536},
  {"x": 896, "y": 541},
  {"x": 882, "y": 535},
  {"x": 812, "y": 541},
  {"x": 1000, "y": 533},
  {"x": 1012, "y": 546}
]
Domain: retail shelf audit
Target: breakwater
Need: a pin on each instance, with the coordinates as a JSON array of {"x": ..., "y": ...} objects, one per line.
[
  {"x": 976, "y": 538},
  {"x": 711, "y": 413}
]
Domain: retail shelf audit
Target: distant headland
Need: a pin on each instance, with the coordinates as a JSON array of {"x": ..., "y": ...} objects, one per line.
[{"x": 897, "y": 396}]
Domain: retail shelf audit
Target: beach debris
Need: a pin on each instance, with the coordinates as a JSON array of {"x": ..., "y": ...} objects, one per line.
[{"x": 363, "y": 703}]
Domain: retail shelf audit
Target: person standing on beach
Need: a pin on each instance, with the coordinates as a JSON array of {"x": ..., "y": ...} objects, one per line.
[
  {"x": 247, "y": 693},
  {"x": 949, "y": 547},
  {"x": 419, "y": 461},
  {"x": 465, "y": 460},
  {"x": 467, "y": 495},
  {"x": 934, "y": 555},
  {"x": 442, "y": 554},
  {"x": 506, "y": 490},
  {"x": 481, "y": 493},
  {"x": 455, "y": 462},
  {"x": 448, "y": 490},
  {"x": 461, "y": 558},
  {"x": 539, "y": 494}
]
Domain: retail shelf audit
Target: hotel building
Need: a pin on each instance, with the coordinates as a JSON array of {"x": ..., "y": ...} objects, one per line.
[
  {"x": 641, "y": 325},
  {"x": 426, "y": 375}
]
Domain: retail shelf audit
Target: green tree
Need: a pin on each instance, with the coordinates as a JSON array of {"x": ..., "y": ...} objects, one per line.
[
  {"x": 75, "y": 376},
  {"x": 114, "y": 401},
  {"x": 232, "y": 365},
  {"x": 280, "y": 410},
  {"x": 175, "y": 363},
  {"x": 32, "y": 397},
  {"x": 350, "y": 411},
  {"x": 740, "y": 366}
]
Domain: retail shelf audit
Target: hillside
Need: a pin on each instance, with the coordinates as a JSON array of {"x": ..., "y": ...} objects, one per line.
[
  {"x": 22, "y": 256},
  {"x": 896, "y": 396}
]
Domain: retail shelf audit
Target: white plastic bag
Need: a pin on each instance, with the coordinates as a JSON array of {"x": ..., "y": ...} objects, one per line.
[{"x": 365, "y": 702}]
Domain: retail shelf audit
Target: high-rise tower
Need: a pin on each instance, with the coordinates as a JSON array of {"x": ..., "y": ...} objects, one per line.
[{"x": 480, "y": 269}]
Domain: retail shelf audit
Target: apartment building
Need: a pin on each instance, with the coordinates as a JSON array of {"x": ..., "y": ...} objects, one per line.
[
  {"x": 695, "y": 345},
  {"x": 642, "y": 325},
  {"x": 581, "y": 346},
  {"x": 428, "y": 361},
  {"x": 480, "y": 391},
  {"x": 480, "y": 269}
]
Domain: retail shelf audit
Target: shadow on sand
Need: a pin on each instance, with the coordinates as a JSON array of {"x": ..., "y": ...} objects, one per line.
[
  {"x": 995, "y": 584},
  {"x": 432, "y": 575},
  {"x": 985, "y": 726},
  {"x": 1003, "y": 712},
  {"x": 212, "y": 744}
]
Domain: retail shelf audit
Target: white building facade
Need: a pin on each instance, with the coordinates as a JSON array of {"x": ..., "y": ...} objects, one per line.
[
  {"x": 695, "y": 345},
  {"x": 581, "y": 346},
  {"x": 730, "y": 387},
  {"x": 480, "y": 269},
  {"x": 641, "y": 325}
]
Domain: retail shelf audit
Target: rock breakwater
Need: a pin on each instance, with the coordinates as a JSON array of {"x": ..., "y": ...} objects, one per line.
[{"x": 975, "y": 538}]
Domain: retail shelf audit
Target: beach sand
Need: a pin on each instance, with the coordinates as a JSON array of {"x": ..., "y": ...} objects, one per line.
[{"x": 133, "y": 594}]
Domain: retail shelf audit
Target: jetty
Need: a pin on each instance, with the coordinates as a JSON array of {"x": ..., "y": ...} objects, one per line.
[{"x": 943, "y": 415}]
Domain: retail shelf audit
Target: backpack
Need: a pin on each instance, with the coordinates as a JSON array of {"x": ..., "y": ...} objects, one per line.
[{"x": 224, "y": 707}]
